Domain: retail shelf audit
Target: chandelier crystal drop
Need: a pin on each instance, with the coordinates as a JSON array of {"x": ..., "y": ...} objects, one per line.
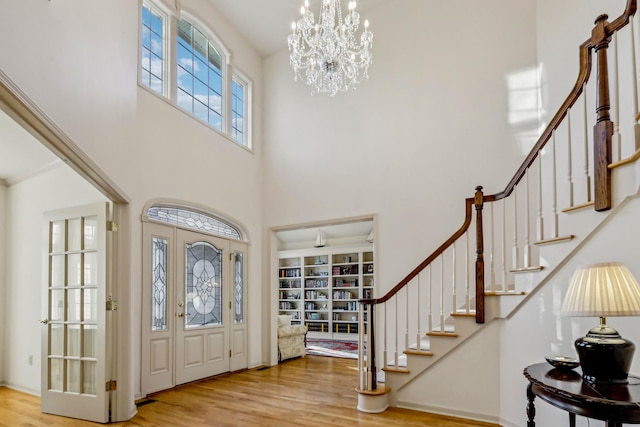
[{"x": 328, "y": 55}]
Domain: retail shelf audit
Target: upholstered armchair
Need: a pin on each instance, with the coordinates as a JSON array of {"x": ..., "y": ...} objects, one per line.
[{"x": 292, "y": 339}]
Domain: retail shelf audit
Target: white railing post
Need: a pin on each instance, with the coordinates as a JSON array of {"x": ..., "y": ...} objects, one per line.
[
  {"x": 430, "y": 318},
  {"x": 527, "y": 225},
  {"x": 540, "y": 217},
  {"x": 569, "y": 159},
  {"x": 586, "y": 143},
  {"x": 454, "y": 308},
  {"x": 419, "y": 315},
  {"x": 554, "y": 186},
  {"x": 514, "y": 252},
  {"x": 616, "y": 142}
]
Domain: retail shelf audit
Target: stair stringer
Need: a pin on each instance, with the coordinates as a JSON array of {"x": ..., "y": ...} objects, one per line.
[
  {"x": 553, "y": 258},
  {"x": 440, "y": 346},
  {"x": 607, "y": 217}
]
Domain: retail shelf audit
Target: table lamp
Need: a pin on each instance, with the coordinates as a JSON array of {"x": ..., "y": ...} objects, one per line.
[{"x": 603, "y": 290}]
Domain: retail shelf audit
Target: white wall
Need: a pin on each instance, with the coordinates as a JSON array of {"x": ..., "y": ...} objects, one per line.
[
  {"x": 464, "y": 384},
  {"x": 78, "y": 63},
  {"x": 412, "y": 141},
  {"x": 410, "y": 144},
  {"x": 562, "y": 26},
  {"x": 27, "y": 201},
  {"x": 3, "y": 274},
  {"x": 539, "y": 330}
]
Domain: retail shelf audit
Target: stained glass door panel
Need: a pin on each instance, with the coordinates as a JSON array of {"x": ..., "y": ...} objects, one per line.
[
  {"x": 74, "y": 327},
  {"x": 203, "y": 285},
  {"x": 202, "y": 333},
  {"x": 239, "y": 354},
  {"x": 158, "y": 313}
]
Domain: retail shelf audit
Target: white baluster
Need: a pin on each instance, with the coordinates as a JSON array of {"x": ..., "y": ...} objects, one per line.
[
  {"x": 617, "y": 137},
  {"x": 385, "y": 346},
  {"x": 453, "y": 278},
  {"x": 540, "y": 217},
  {"x": 419, "y": 315},
  {"x": 569, "y": 159},
  {"x": 527, "y": 226},
  {"x": 514, "y": 251},
  {"x": 406, "y": 317},
  {"x": 430, "y": 317},
  {"x": 504, "y": 245},
  {"x": 492, "y": 278},
  {"x": 441, "y": 293},
  {"x": 396, "y": 333},
  {"x": 554, "y": 186},
  {"x": 634, "y": 64},
  {"x": 467, "y": 298},
  {"x": 586, "y": 143}
]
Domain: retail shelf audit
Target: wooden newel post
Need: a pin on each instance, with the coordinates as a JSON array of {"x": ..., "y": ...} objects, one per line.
[
  {"x": 603, "y": 129},
  {"x": 479, "y": 203}
]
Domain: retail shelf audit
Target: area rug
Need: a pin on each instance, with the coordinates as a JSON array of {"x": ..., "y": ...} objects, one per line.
[{"x": 333, "y": 348}]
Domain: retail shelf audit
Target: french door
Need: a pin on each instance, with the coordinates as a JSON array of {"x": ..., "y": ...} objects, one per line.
[
  {"x": 74, "y": 335},
  {"x": 193, "y": 306}
]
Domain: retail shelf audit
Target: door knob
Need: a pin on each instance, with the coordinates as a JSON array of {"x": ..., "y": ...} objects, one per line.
[
  {"x": 180, "y": 314},
  {"x": 44, "y": 321}
]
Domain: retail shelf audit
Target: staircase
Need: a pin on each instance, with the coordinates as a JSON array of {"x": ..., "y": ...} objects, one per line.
[{"x": 579, "y": 174}]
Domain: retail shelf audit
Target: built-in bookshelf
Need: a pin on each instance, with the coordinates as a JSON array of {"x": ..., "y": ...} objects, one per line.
[{"x": 320, "y": 288}]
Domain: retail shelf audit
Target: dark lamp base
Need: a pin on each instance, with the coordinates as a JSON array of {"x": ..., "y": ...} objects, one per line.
[{"x": 605, "y": 356}]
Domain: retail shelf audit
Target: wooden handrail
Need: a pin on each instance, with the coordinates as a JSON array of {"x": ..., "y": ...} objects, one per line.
[
  {"x": 429, "y": 259},
  {"x": 585, "y": 65},
  {"x": 583, "y": 76}
]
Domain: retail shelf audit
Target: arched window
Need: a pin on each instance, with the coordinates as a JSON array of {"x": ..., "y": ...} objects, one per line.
[
  {"x": 183, "y": 62},
  {"x": 199, "y": 75},
  {"x": 187, "y": 218}
]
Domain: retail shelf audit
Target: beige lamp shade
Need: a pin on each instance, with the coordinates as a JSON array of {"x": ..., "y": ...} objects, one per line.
[{"x": 602, "y": 290}]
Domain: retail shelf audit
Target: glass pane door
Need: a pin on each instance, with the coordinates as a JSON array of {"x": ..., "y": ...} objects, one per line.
[{"x": 73, "y": 363}]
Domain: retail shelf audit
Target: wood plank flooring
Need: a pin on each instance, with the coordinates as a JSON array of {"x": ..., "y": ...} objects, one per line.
[{"x": 306, "y": 391}]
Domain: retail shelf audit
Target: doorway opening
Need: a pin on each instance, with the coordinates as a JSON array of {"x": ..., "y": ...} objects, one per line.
[
  {"x": 321, "y": 271},
  {"x": 194, "y": 307}
]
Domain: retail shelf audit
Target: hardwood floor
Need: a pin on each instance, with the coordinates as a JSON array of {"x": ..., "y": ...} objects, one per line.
[{"x": 307, "y": 391}]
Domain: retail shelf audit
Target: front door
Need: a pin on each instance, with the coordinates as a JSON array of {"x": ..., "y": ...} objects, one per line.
[
  {"x": 203, "y": 295},
  {"x": 193, "y": 315},
  {"x": 74, "y": 332}
]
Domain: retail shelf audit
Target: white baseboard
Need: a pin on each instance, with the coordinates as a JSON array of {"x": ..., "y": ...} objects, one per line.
[
  {"x": 21, "y": 389},
  {"x": 507, "y": 423},
  {"x": 451, "y": 412}
]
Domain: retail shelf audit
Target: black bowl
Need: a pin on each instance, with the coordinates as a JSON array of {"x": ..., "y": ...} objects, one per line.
[{"x": 562, "y": 362}]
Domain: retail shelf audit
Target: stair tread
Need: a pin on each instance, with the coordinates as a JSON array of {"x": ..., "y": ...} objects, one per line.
[
  {"x": 527, "y": 269},
  {"x": 442, "y": 334},
  {"x": 421, "y": 352},
  {"x": 578, "y": 207},
  {"x": 503, "y": 293},
  {"x": 554, "y": 240},
  {"x": 470, "y": 313},
  {"x": 394, "y": 369}
]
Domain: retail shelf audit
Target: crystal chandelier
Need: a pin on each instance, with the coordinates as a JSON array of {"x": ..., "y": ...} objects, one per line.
[{"x": 327, "y": 55}]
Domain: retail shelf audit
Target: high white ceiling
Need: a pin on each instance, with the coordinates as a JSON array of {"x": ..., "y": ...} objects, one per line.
[
  {"x": 21, "y": 154},
  {"x": 266, "y": 23}
]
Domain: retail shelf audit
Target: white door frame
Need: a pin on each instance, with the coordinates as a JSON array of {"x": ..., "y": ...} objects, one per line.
[
  {"x": 26, "y": 113},
  {"x": 159, "y": 361}
]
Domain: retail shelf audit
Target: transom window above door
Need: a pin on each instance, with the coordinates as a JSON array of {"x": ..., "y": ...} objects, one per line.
[
  {"x": 187, "y": 218},
  {"x": 182, "y": 61}
]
